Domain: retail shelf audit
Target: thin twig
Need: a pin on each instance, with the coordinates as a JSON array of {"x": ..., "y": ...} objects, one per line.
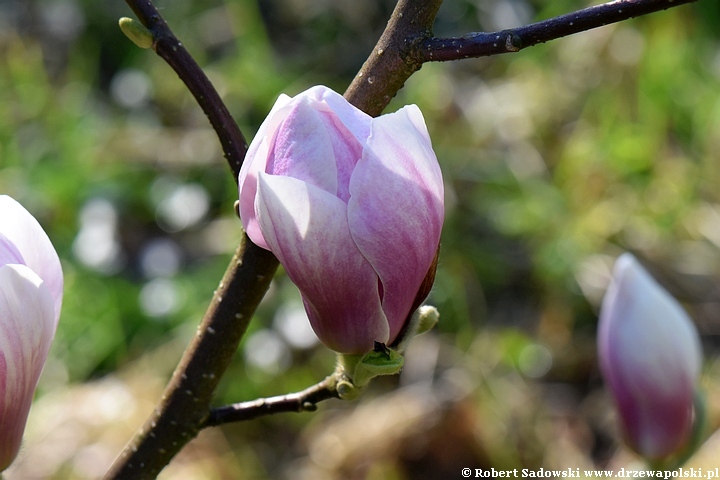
[
  {"x": 167, "y": 46},
  {"x": 483, "y": 44},
  {"x": 305, "y": 401}
]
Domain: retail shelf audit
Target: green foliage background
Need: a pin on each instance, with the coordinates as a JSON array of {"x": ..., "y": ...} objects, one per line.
[{"x": 556, "y": 159}]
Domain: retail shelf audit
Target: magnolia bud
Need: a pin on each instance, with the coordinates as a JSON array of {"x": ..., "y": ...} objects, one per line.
[
  {"x": 352, "y": 206},
  {"x": 650, "y": 357}
]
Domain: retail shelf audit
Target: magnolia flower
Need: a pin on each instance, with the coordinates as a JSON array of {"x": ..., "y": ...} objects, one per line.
[
  {"x": 352, "y": 207},
  {"x": 31, "y": 284},
  {"x": 650, "y": 358}
]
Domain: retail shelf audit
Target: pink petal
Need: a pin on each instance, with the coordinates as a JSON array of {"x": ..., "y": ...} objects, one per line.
[
  {"x": 255, "y": 162},
  {"x": 396, "y": 208},
  {"x": 21, "y": 228},
  {"x": 307, "y": 229},
  {"x": 303, "y": 149},
  {"x": 347, "y": 153},
  {"x": 355, "y": 120},
  {"x": 27, "y": 327},
  {"x": 305, "y": 138},
  {"x": 348, "y": 129},
  {"x": 9, "y": 252}
]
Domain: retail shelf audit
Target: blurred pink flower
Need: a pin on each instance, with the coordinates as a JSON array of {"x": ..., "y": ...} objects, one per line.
[
  {"x": 31, "y": 284},
  {"x": 352, "y": 207},
  {"x": 650, "y": 357}
]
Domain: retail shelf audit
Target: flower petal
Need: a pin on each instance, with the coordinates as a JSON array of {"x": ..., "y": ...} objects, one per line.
[
  {"x": 354, "y": 119},
  {"x": 347, "y": 153},
  {"x": 27, "y": 327},
  {"x": 396, "y": 208},
  {"x": 9, "y": 252},
  {"x": 303, "y": 149},
  {"x": 255, "y": 162},
  {"x": 650, "y": 357},
  {"x": 21, "y": 228},
  {"x": 307, "y": 229},
  {"x": 348, "y": 128}
]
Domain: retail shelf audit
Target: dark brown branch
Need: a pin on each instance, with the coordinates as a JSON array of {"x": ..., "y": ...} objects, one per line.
[
  {"x": 392, "y": 61},
  {"x": 305, "y": 401},
  {"x": 167, "y": 46},
  {"x": 407, "y": 43},
  {"x": 184, "y": 408},
  {"x": 512, "y": 40}
]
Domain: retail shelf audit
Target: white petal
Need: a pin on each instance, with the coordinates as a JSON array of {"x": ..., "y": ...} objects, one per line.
[
  {"x": 21, "y": 228},
  {"x": 27, "y": 327}
]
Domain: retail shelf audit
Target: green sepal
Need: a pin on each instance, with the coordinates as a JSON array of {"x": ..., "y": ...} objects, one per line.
[
  {"x": 360, "y": 369},
  {"x": 354, "y": 372}
]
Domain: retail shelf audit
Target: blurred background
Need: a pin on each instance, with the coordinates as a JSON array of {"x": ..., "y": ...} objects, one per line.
[{"x": 556, "y": 159}]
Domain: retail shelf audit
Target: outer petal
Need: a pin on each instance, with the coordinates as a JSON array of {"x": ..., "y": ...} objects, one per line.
[
  {"x": 303, "y": 148},
  {"x": 9, "y": 252},
  {"x": 317, "y": 136},
  {"x": 255, "y": 162},
  {"x": 307, "y": 229},
  {"x": 396, "y": 208},
  {"x": 354, "y": 119},
  {"x": 349, "y": 129},
  {"x": 347, "y": 152},
  {"x": 650, "y": 357},
  {"x": 21, "y": 228},
  {"x": 27, "y": 327}
]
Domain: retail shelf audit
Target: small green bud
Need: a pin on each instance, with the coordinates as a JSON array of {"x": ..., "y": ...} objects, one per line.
[
  {"x": 428, "y": 317},
  {"x": 421, "y": 321},
  {"x": 137, "y": 32}
]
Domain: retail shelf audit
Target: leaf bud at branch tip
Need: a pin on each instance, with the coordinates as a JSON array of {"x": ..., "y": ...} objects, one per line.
[
  {"x": 428, "y": 318},
  {"x": 137, "y": 32}
]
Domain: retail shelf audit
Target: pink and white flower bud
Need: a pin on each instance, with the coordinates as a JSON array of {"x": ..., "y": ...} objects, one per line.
[
  {"x": 352, "y": 206},
  {"x": 650, "y": 357},
  {"x": 31, "y": 284}
]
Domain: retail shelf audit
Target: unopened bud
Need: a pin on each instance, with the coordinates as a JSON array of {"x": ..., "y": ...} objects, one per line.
[{"x": 137, "y": 32}]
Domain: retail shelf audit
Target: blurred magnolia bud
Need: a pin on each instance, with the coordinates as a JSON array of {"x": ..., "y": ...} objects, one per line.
[
  {"x": 31, "y": 285},
  {"x": 352, "y": 206},
  {"x": 650, "y": 357}
]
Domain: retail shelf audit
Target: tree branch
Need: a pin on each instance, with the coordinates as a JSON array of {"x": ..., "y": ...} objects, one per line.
[
  {"x": 185, "y": 404},
  {"x": 395, "y": 57},
  {"x": 482, "y": 44},
  {"x": 305, "y": 401},
  {"x": 167, "y": 46}
]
